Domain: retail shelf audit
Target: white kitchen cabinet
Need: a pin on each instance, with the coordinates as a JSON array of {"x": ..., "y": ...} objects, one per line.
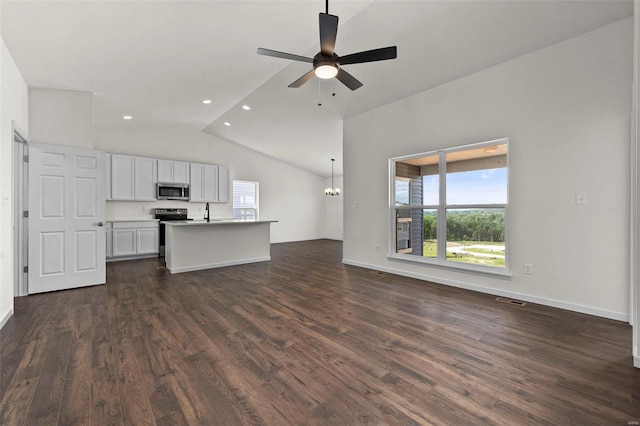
[
  {"x": 124, "y": 242},
  {"x": 109, "y": 238},
  {"x": 196, "y": 182},
  {"x": 122, "y": 177},
  {"x": 165, "y": 171},
  {"x": 145, "y": 178},
  {"x": 209, "y": 183},
  {"x": 170, "y": 171},
  {"x": 180, "y": 172},
  {"x": 223, "y": 184},
  {"x": 133, "y": 238},
  {"x": 147, "y": 240},
  {"x": 131, "y": 178}
]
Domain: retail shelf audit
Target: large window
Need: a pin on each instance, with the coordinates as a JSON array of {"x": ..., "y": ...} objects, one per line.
[
  {"x": 449, "y": 207},
  {"x": 245, "y": 200}
]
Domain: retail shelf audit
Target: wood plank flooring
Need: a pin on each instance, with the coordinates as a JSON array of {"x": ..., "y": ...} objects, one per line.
[{"x": 305, "y": 340}]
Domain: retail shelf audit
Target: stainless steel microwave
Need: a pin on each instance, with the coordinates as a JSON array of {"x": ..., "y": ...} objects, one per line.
[{"x": 173, "y": 191}]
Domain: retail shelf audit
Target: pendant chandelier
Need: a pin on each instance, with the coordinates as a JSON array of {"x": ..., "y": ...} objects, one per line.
[{"x": 333, "y": 190}]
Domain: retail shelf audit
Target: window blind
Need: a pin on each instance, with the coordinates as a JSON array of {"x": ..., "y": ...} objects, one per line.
[{"x": 245, "y": 199}]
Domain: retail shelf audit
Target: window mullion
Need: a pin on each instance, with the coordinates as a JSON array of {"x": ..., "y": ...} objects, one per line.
[{"x": 441, "y": 225}]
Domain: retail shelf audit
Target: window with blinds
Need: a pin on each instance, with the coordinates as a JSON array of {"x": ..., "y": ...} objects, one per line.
[{"x": 245, "y": 200}]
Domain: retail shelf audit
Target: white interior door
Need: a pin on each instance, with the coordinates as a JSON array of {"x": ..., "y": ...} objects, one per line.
[{"x": 66, "y": 218}]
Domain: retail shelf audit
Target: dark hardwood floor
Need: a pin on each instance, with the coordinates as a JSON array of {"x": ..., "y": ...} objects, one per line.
[{"x": 302, "y": 340}]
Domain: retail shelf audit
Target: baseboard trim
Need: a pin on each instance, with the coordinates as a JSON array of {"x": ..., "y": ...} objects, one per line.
[
  {"x": 303, "y": 240},
  {"x": 618, "y": 316},
  {"x": 132, "y": 257},
  {"x": 6, "y": 317},
  {"x": 636, "y": 361},
  {"x": 218, "y": 265}
]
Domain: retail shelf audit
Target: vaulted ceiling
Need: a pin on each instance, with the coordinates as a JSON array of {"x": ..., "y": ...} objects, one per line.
[{"x": 157, "y": 60}]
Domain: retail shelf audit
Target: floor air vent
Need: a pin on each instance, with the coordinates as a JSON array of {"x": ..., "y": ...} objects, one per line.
[{"x": 510, "y": 301}]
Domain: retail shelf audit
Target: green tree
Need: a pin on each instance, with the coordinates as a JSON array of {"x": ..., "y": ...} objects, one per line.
[{"x": 429, "y": 226}]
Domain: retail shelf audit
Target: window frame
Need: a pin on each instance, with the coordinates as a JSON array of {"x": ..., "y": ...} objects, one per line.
[
  {"x": 441, "y": 208},
  {"x": 257, "y": 198}
]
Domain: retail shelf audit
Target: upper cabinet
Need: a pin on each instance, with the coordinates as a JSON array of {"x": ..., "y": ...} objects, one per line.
[
  {"x": 145, "y": 178},
  {"x": 170, "y": 171},
  {"x": 131, "y": 178},
  {"x": 209, "y": 183},
  {"x": 135, "y": 178},
  {"x": 196, "y": 183},
  {"x": 122, "y": 174},
  {"x": 223, "y": 184}
]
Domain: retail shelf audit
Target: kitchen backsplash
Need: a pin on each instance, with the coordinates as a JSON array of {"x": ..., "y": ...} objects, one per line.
[{"x": 144, "y": 209}]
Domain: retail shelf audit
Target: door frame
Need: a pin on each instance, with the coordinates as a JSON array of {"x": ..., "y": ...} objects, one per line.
[{"x": 20, "y": 228}]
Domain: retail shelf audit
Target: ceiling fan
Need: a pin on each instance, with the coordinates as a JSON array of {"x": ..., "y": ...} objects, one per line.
[{"x": 327, "y": 64}]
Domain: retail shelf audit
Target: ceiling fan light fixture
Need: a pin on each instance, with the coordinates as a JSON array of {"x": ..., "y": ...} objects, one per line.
[
  {"x": 326, "y": 71},
  {"x": 326, "y": 63}
]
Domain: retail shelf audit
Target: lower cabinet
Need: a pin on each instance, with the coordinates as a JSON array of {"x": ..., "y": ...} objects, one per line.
[
  {"x": 109, "y": 231},
  {"x": 132, "y": 238},
  {"x": 147, "y": 240}
]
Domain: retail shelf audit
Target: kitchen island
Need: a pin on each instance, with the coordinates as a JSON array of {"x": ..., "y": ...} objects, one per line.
[{"x": 196, "y": 245}]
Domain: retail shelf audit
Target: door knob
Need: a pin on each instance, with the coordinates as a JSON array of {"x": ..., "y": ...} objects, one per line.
[{"x": 100, "y": 224}]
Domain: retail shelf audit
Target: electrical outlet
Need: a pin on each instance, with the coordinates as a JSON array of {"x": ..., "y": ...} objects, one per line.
[
  {"x": 377, "y": 247},
  {"x": 528, "y": 268},
  {"x": 356, "y": 204}
]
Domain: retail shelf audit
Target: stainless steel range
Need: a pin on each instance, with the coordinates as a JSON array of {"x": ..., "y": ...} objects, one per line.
[{"x": 165, "y": 215}]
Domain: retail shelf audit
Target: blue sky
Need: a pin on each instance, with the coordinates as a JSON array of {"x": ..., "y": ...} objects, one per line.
[{"x": 487, "y": 186}]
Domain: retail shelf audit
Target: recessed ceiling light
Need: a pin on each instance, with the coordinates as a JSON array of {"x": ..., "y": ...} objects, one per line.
[
  {"x": 127, "y": 117},
  {"x": 206, "y": 101},
  {"x": 226, "y": 123},
  {"x": 246, "y": 107}
]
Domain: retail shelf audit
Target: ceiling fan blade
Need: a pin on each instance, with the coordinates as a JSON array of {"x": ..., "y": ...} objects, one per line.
[
  {"x": 348, "y": 80},
  {"x": 328, "y": 31},
  {"x": 302, "y": 80},
  {"x": 381, "y": 54},
  {"x": 276, "y": 54}
]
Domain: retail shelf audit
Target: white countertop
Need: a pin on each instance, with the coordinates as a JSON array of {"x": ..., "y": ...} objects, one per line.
[{"x": 215, "y": 222}]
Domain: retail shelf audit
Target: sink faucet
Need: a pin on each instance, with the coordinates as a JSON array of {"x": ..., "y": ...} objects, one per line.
[{"x": 207, "y": 209}]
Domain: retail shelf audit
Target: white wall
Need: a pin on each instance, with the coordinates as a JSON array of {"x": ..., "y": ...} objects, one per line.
[
  {"x": 293, "y": 197},
  {"x": 13, "y": 109},
  {"x": 635, "y": 267},
  {"x": 333, "y": 206},
  {"x": 566, "y": 111},
  {"x": 61, "y": 117}
]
